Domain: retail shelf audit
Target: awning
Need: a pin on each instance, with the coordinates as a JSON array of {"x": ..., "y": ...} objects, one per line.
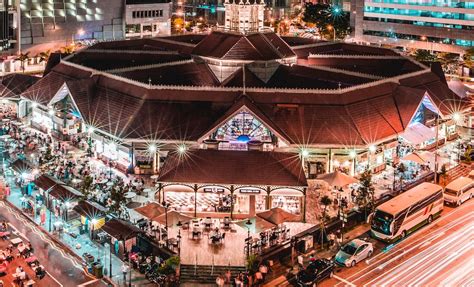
[
  {"x": 418, "y": 134},
  {"x": 46, "y": 182},
  {"x": 90, "y": 209},
  {"x": 21, "y": 166},
  {"x": 120, "y": 229},
  {"x": 277, "y": 216},
  {"x": 65, "y": 193}
]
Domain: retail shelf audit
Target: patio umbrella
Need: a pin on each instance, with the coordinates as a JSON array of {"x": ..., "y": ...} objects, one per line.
[
  {"x": 151, "y": 210},
  {"x": 258, "y": 224},
  {"x": 337, "y": 178},
  {"x": 414, "y": 157},
  {"x": 173, "y": 218},
  {"x": 277, "y": 216}
]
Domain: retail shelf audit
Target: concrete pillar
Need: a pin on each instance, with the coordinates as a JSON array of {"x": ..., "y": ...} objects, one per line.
[{"x": 252, "y": 205}]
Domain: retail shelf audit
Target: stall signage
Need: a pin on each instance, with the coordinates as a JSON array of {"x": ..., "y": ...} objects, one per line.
[
  {"x": 213, "y": 190},
  {"x": 250, "y": 191}
]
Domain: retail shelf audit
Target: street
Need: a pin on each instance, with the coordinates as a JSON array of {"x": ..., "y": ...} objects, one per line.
[
  {"x": 435, "y": 255},
  {"x": 62, "y": 268}
]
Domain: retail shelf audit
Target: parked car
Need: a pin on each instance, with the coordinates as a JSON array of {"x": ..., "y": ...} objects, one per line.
[
  {"x": 353, "y": 252},
  {"x": 315, "y": 272}
]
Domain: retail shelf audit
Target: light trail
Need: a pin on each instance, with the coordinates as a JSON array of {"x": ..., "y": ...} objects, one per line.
[
  {"x": 415, "y": 244},
  {"x": 420, "y": 260}
]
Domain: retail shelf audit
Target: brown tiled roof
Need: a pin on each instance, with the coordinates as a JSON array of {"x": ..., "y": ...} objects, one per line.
[
  {"x": 234, "y": 46},
  {"x": 186, "y": 74},
  {"x": 107, "y": 61},
  {"x": 65, "y": 193},
  {"x": 234, "y": 167},
  {"x": 46, "y": 182},
  {"x": 11, "y": 86},
  {"x": 121, "y": 229},
  {"x": 155, "y": 44},
  {"x": 89, "y": 209},
  {"x": 297, "y": 76}
]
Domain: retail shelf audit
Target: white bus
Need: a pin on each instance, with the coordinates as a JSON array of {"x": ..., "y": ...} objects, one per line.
[
  {"x": 398, "y": 216},
  {"x": 459, "y": 190}
]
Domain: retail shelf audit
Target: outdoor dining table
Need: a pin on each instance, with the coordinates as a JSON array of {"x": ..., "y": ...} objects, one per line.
[
  {"x": 130, "y": 195},
  {"x": 16, "y": 241}
]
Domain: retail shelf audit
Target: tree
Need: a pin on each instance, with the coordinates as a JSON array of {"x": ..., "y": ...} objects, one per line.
[
  {"x": 365, "y": 194},
  {"x": 401, "y": 169},
  {"x": 68, "y": 49},
  {"x": 324, "y": 201},
  {"x": 44, "y": 56},
  {"x": 326, "y": 18},
  {"x": 443, "y": 175},
  {"x": 468, "y": 58},
  {"x": 424, "y": 56},
  {"x": 117, "y": 197},
  {"x": 449, "y": 62},
  {"x": 23, "y": 58},
  {"x": 86, "y": 186}
]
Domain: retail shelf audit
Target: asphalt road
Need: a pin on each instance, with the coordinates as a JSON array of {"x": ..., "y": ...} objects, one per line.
[
  {"x": 440, "y": 254},
  {"x": 63, "y": 269}
]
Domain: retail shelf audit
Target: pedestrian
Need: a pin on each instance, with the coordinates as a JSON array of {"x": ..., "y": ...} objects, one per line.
[
  {"x": 220, "y": 281},
  {"x": 124, "y": 271}
]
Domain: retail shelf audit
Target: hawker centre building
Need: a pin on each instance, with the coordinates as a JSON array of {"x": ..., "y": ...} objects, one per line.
[{"x": 241, "y": 109}]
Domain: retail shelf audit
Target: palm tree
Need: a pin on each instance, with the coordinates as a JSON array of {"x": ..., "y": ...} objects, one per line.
[
  {"x": 325, "y": 201},
  {"x": 44, "y": 56},
  {"x": 23, "y": 58},
  {"x": 67, "y": 49}
]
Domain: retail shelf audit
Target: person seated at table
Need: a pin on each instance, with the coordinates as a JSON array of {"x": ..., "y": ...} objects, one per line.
[{"x": 40, "y": 272}]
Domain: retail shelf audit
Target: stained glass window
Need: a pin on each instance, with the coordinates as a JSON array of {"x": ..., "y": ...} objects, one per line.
[{"x": 243, "y": 127}]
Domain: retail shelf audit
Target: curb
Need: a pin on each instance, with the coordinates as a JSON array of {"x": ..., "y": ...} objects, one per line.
[{"x": 57, "y": 241}]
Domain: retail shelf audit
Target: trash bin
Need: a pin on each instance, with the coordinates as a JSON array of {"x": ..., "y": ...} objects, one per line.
[{"x": 97, "y": 270}]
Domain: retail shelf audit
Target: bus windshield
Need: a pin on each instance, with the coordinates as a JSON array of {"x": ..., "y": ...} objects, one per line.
[
  {"x": 451, "y": 192},
  {"x": 381, "y": 222}
]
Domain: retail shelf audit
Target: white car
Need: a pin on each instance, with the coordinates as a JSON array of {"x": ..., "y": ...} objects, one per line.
[{"x": 353, "y": 252}]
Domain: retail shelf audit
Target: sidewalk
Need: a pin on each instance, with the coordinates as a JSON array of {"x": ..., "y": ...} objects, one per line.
[
  {"x": 87, "y": 245},
  {"x": 282, "y": 280}
]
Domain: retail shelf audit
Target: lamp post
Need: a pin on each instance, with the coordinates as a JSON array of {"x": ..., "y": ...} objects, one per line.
[
  {"x": 179, "y": 237},
  {"x": 248, "y": 223},
  {"x": 166, "y": 206},
  {"x": 456, "y": 116}
]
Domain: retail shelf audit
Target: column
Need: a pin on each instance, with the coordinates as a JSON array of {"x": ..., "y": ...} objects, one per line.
[
  {"x": 141, "y": 30},
  {"x": 252, "y": 205},
  {"x": 304, "y": 205},
  {"x": 268, "y": 199},
  {"x": 231, "y": 202},
  {"x": 329, "y": 169},
  {"x": 195, "y": 200}
]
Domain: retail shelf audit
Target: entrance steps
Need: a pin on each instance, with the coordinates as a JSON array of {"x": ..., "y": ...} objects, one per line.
[
  {"x": 205, "y": 273},
  {"x": 458, "y": 171}
]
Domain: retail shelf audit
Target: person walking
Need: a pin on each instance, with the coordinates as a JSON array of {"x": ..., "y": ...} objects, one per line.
[{"x": 124, "y": 272}]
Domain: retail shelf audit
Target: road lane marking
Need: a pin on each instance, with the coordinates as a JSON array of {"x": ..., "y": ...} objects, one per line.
[
  {"x": 418, "y": 241},
  {"x": 343, "y": 280},
  {"x": 56, "y": 280}
]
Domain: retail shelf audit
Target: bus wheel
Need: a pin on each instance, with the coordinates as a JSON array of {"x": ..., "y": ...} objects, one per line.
[
  {"x": 353, "y": 263},
  {"x": 430, "y": 219},
  {"x": 403, "y": 235}
]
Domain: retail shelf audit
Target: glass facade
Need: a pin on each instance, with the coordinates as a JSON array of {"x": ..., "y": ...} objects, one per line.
[
  {"x": 395, "y": 36},
  {"x": 420, "y": 13}
]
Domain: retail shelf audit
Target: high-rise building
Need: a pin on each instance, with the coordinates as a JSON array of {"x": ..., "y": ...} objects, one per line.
[
  {"x": 4, "y": 25},
  {"x": 49, "y": 25},
  {"x": 436, "y": 25}
]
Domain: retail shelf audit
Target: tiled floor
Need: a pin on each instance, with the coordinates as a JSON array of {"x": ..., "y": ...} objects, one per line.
[{"x": 230, "y": 252}]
